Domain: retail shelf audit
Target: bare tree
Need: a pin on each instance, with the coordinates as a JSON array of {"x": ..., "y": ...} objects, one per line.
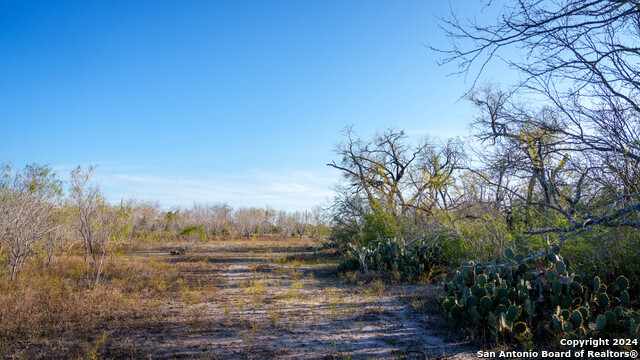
[
  {"x": 286, "y": 224},
  {"x": 588, "y": 47},
  {"x": 568, "y": 174},
  {"x": 267, "y": 221},
  {"x": 302, "y": 223},
  {"x": 146, "y": 215},
  {"x": 27, "y": 212},
  {"x": 572, "y": 157},
  {"x": 222, "y": 219},
  {"x": 58, "y": 231},
  {"x": 242, "y": 222},
  {"x": 100, "y": 227},
  {"x": 397, "y": 177},
  {"x": 87, "y": 201}
]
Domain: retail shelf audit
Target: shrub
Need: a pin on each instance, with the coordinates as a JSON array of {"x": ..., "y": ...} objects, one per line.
[{"x": 381, "y": 223}]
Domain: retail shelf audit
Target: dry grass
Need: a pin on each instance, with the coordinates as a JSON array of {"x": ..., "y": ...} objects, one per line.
[
  {"x": 54, "y": 310},
  {"x": 239, "y": 298}
]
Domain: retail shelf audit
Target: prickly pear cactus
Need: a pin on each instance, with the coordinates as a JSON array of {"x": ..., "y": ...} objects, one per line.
[
  {"x": 510, "y": 302},
  {"x": 390, "y": 255},
  {"x": 495, "y": 300}
]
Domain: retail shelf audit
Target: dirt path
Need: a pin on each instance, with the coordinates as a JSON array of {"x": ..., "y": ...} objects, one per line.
[{"x": 282, "y": 300}]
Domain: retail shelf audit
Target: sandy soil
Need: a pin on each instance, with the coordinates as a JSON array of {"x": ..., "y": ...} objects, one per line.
[{"x": 269, "y": 299}]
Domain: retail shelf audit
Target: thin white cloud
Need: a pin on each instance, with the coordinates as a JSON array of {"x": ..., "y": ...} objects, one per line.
[
  {"x": 290, "y": 190},
  {"x": 439, "y": 133}
]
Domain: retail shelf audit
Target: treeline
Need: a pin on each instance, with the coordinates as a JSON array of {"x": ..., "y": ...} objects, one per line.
[
  {"x": 221, "y": 220},
  {"x": 42, "y": 217}
]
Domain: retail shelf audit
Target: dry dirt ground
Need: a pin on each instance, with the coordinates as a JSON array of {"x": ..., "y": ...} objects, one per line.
[{"x": 273, "y": 299}]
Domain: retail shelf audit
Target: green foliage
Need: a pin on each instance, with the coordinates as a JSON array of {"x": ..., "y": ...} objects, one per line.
[
  {"x": 197, "y": 232},
  {"x": 608, "y": 255},
  {"x": 508, "y": 302},
  {"x": 381, "y": 223}
]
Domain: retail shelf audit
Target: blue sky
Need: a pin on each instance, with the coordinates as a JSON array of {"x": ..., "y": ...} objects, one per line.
[{"x": 240, "y": 102}]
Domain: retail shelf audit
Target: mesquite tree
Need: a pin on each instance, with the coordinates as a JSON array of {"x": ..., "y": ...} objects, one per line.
[
  {"x": 390, "y": 181},
  {"x": 100, "y": 226},
  {"x": 564, "y": 142},
  {"x": 28, "y": 219}
]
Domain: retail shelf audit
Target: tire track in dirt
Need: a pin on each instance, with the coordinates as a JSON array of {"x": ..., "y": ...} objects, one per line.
[{"x": 280, "y": 300}]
